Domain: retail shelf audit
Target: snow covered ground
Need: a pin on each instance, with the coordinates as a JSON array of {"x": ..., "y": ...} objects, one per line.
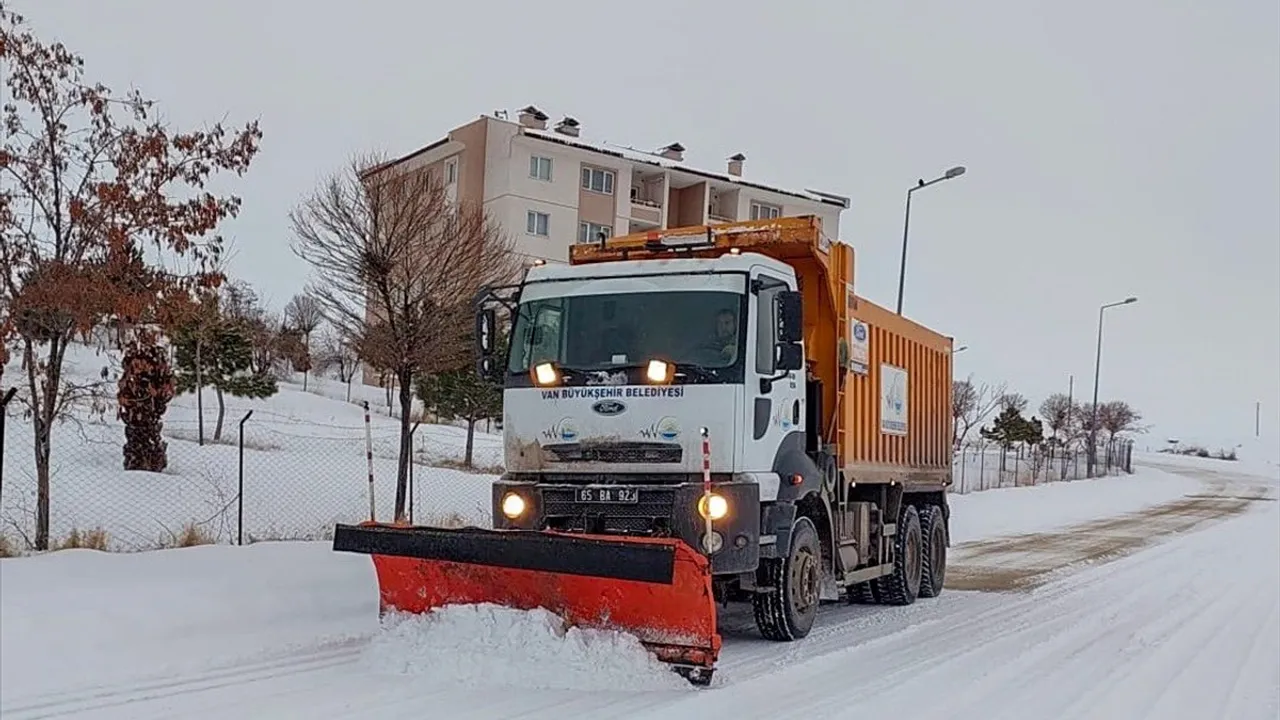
[
  {"x": 1168, "y": 607},
  {"x": 305, "y": 466}
]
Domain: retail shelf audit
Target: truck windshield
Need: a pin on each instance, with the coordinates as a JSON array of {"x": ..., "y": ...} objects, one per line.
[{"x": 700, "y": 331}]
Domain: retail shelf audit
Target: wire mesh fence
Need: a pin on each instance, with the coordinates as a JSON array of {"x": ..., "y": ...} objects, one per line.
[
  {"x": 258, "y": 477},
  {"x": 269, "y": 476},
  {"x": 984, "y": 466}
]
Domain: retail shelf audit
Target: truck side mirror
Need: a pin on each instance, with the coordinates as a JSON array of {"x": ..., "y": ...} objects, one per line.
[
  {"x": 788, "y": 356},
  {"x": 486, "y": 323},
  {"x": 788, "y": 311},
  {"x": 487, "y": 368}
]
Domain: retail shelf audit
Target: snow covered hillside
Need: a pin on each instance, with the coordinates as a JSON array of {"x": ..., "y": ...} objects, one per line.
[
  {"x": 1149, "y": 596},
  {"x": 305, "y": 466}
]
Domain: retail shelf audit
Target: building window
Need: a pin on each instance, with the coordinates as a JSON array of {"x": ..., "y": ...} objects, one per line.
[
  {"x": 760, "y": 211},
  {"x": 540, "y": 168},
  {"x": 597, "y": 180},
  {"x": 538, "y": 224},
  {"x": 451, "y": 172},
  {"x": 589, "y": 232}
]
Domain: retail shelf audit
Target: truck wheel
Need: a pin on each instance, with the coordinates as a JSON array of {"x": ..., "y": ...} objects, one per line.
[
  {"x": 902, "y": 587},
  {"x": 862, "y": 594},
  {"x": 933, "y": 551},
  {"x": 788, "y": 610}
]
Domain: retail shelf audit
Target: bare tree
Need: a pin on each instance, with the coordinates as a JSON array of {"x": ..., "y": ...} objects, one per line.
[
  {"x": 396, "y": 260},
  {"x": 1014, "y": 400},
  {"x": 304, "y": 314},
  {"x": 1057, "y": 411},
  {"x": 333, "y": 352},
  {"x": 972, "y": 404},
  {"x": 1118, "y": 417},
  {"x": 91, "y": 178}
]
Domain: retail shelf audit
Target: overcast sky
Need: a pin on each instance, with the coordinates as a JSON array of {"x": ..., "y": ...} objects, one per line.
[{"x": 1113, "y": 148}]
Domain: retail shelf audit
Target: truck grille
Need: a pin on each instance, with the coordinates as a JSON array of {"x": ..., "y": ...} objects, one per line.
[
  {"x": 650, "y": 515},
  {"x": 632, "y": 452}
]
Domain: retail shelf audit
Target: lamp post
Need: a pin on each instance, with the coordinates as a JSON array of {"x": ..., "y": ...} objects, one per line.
[
  {"x": 960, "y": 349},
  {"x": 954, "y": 172},
  {"x": 1097, "y": 368}
]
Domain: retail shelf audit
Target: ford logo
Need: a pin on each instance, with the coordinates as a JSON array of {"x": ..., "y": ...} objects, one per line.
[{"x": 608, "y": 407}]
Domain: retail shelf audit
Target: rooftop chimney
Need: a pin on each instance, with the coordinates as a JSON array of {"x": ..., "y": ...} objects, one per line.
[
  {"x": 674, "y": 151},
  {"x": 533, "y": 117},
  {"x": 568, "y": 126},
  {"x": 735, "y": 164}
]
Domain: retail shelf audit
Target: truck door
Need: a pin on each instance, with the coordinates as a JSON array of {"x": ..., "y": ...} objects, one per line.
[{"x": 774, "y": 410}]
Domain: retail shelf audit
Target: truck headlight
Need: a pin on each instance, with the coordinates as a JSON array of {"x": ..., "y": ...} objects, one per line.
[
  {"x": 713, "y": 506},
  {"x": 658, "y": 371},
  {"x": 513, "y": 506},
  {"x": 545, "y": 374}
]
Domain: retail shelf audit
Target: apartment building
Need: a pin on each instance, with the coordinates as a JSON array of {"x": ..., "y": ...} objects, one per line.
[{"x": 550, "y": 187}]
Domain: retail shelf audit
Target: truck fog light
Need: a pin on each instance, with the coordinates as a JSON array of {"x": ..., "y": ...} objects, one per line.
[
  {"x": 658, "y": 371},
  {"x": 713, "y": 506},
  {"x": 513, "y": 506},
  {"x": 712, "y": 542}
]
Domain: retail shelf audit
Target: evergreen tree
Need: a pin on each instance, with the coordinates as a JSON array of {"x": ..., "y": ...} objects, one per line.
[
  {"x": 1010, "y": 428},
  {"x": 462, "y": 393},
  {"x": 226, "y": 364}
]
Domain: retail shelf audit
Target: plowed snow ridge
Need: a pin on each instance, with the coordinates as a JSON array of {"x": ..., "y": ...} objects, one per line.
[{"x": 492, "y": 645}]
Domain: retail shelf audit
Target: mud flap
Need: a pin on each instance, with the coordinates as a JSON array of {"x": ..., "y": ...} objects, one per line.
[{"x": 658, "y": 589}]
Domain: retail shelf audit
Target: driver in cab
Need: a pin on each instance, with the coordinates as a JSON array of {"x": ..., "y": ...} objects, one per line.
[{"x": 722, "y": 347}]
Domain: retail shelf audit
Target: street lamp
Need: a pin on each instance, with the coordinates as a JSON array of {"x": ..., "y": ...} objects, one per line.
[
  {"x": 1097, "y": 367},
  {"x": 960, "y": 349},
  {"x": 954, "y": 172}
]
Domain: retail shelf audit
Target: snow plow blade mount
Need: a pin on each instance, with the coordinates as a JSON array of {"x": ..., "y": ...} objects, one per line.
[{"x": 658, "y": 589}]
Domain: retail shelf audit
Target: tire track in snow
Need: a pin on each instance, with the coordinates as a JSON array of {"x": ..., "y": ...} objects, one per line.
[{"x": 75, "y": 702}]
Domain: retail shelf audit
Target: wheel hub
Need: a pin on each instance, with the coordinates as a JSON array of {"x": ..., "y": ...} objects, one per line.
[{"x": 804, "y": 581}]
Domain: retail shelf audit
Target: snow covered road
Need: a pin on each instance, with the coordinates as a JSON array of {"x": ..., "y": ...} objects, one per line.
[{"x": 1165, "y": 608}]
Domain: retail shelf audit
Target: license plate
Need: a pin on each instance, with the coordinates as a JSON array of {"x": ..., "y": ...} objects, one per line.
[{"x": 608, "y": 495}]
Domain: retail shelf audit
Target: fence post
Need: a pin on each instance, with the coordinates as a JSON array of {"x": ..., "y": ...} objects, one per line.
[
  {"x": 368, "y": 454},
  {"x": 4, "y": 413},
  {"x": 413, "y": 437},
  {"x": 240, "y": 488}
]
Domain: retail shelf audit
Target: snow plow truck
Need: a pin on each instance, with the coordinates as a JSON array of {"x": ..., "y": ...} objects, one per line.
[{"x": 695, "y": 417}]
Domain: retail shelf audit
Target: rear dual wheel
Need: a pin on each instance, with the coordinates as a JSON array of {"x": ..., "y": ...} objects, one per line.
[
  {"x": 787, "y": 611},
  {"x": 919, "y": 558}
]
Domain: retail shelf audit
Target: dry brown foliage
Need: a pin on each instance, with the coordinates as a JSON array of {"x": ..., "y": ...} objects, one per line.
[{"x": 90, "y": 179}]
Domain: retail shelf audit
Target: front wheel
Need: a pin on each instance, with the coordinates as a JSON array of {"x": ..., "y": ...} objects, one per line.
[{"x": 788, "y": 609}]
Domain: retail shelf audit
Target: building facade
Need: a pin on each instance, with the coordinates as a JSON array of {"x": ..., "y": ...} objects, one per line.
[{"x": 550, "y": 188}]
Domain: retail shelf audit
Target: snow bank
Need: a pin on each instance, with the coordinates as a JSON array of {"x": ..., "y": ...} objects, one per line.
[
  {"x": 1056, "y": 505},
  {"x": 82, "y": 616},
  {"x": 485, "y": 645}
]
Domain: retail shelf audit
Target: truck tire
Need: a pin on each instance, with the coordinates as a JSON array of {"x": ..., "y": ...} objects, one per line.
[
  {"x": 787, "y": 611},
  {"x": 903, "y": 585},
  {"x": 933, "y": 551},
  {"x": 862, "y": 593}
]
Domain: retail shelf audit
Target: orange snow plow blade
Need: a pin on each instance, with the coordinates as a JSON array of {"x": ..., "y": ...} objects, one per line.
[{"x": 658, "y": 589}]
